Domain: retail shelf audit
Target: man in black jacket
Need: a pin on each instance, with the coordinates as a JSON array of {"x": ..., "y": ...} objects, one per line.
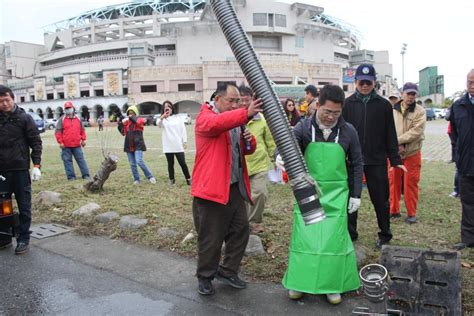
[
  {"x": 18, "y": 133},
  {"x": 372, "y": 117},
  {"x": 462, "y": 123}
]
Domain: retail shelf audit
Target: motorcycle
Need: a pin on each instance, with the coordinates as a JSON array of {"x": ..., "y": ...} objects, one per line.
[{"x": 9, "y": 220}]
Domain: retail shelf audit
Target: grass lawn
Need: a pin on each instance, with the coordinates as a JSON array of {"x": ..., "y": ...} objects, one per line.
[{"x": 438, "y": 215}]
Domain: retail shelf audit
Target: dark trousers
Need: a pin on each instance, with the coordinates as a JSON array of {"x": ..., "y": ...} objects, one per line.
[
  {"x": 182, "y": 163},
  {"x": 466, "y": 187},
  {"x": 456, "y": 181},
  {"x": 216, "y": 223},
  {"x": 19, "y": 183},
  {"x": 377, "y": 184}
]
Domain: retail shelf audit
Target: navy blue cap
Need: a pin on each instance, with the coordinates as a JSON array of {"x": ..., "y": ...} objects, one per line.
[
  {"x": 410, "y": 87},
  {"x": 365, "y": 72}
]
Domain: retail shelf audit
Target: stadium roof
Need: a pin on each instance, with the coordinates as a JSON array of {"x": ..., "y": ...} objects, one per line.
[{"x": 129, "y": 9}]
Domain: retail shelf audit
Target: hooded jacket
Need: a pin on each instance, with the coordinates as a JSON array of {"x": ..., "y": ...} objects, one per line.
[
  {"x": 70, "y": 132},
  {"x": 261, "y": 160},
  {"x": 132, "y": 129},
  {"x": 18, "y": 133},
  {"x": 212, "y": 166},
  {"x": 410, "y": 126}
]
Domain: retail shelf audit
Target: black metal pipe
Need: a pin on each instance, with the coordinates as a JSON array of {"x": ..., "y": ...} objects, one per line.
[{"x": 304, "y": 187}]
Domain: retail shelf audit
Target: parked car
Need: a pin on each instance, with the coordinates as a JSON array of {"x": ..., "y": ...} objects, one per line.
[
  {"x": 430, "y": 114},
  {"x": 50, "y": 123},
  {"x": 439, "y": 113},
  {"x": 38, "y": 121}
]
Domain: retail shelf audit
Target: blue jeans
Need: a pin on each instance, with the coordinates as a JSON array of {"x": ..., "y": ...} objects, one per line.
[
  {"x": 19, "y": 182},
  {"x": 66, "y": 155},
  {"x": 136, "y": 158}
]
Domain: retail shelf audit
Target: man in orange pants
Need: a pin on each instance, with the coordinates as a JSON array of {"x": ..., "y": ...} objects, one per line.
[{"x": 410, "y": 119}]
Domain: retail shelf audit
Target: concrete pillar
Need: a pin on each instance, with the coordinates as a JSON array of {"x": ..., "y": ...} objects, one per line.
[
  {"x": 55, "y": 94},
  {"x": 91, "y": 91},
  {"x": 121, "y": 32},
  {"x": 93, "y": 115},
  {"x": 93, "y": 40}
]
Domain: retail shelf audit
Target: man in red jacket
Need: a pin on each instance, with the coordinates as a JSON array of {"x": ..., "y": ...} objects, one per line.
[
  {"x": 71, "y": 136},
  {"x": 221, "y": 186}
]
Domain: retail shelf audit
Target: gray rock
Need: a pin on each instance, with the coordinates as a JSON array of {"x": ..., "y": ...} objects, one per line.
[
  {"x": 360, "y": 255},
  {"x": 87, "y": 210},
  {"x": 132, "y": 222},
  {"x": 167, "y": 232},
  {"x": 254, "y": 246},
  {"x": 107, "y": 217},
  {"x": 47, "y": 198}
]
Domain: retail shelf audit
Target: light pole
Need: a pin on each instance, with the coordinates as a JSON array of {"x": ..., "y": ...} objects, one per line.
[{"x": 404, "y": 49}]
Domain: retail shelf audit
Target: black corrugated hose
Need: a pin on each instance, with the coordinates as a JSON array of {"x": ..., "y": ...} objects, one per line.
[{"x": 304, "y": 187}]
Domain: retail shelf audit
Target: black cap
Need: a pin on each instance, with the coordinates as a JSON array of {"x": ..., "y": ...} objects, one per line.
[{"x": 365, "y": 72}]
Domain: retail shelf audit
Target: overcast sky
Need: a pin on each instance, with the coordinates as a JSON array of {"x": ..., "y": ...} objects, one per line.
[{"x": 438, "y": 33}]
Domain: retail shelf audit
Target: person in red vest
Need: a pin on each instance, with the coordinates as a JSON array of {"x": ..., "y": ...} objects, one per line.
[{"x": 71, "y": 137}]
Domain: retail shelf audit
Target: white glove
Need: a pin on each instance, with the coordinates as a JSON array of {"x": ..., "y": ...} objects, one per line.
[
  {"x": 35, "y": 174},
  {"x": 353, "y": 206},
  {"x": 125, "y": 120},
  {"x": 280, "y": 163}
]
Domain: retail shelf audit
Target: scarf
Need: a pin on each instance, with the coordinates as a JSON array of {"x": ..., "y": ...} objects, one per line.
[{"x": 327, "y": 130}]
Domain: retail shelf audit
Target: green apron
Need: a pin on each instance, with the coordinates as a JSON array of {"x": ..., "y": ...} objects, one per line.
[{"x": 322, "y": 258}]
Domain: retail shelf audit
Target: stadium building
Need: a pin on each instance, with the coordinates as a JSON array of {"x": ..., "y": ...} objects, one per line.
[{"x": 146, "y": 52}]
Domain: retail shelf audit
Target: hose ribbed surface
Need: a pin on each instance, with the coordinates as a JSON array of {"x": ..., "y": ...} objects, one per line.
[{"x": 273, "y": 110}]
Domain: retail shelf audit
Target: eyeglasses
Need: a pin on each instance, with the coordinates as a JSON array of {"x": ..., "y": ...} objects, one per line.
[
  {"x": 365, "y": 82},
  {"x": 5, "y": 101},
  {"x": 411, "y": 93},
  {"x": 470, "y": 83},
  {"x": 291, "y": 104},
  {"x": 334, "y": 114}
]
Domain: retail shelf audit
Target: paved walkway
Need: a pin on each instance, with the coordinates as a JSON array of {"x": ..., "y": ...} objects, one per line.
[
  {"x": 77, "y": 275},
  {"x": 437, "y": 146}
]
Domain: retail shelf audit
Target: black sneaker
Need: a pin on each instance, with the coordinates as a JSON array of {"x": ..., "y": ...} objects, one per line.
[
  {"x": 205, "y": 287},
  {"x": 188, "y": 181},
  {"x": 459, "y": 246},
  {"x": 21, "y": 248},
  {"x": 395, "y": 215},
  {"x": 233, "y": 280}
]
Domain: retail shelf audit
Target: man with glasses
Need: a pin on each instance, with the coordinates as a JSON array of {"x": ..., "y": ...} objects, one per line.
[
  {"x": 221, "y": 186},
  {"x": 372, "y": 117},
  {"x": 410, "y": 120},
  {"x": 258, "y": 163},
  {"x": 462, "y": 124},
  {"x": 322, "y": 258}
]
